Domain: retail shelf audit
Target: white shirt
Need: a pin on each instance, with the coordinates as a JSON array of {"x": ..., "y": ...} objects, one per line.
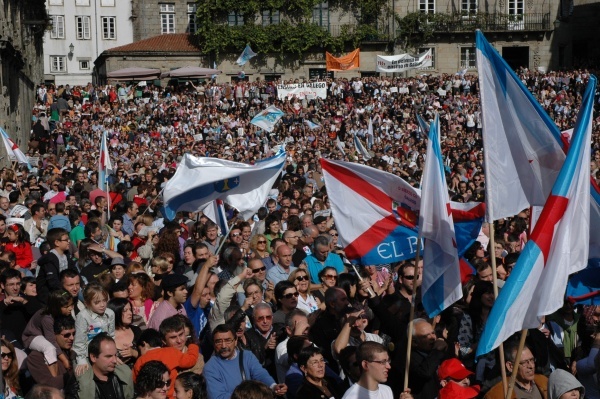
[{"x": 358, "y": 392}]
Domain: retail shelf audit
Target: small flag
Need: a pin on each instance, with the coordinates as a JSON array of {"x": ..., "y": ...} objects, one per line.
[
  {"x": 104, "y": 164},
  {"x": 13, "y": 150},
  {"x": 246, "y": 55},
  {"x": 268, "y": 118},
  {"x": 312, "y": 125}
]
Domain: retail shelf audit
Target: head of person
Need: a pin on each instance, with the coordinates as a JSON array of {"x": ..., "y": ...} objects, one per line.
[
  {"x": 263, "y": 317},
  {"x": 95, "y": 298},
  {"x": 286, "y": 295},
  {"x": 210, "y": 231},
  {"x": 253, "y": 289},
  {"x": 291, "y": 238},
  {"x": 284, "y": 256},
  {"x": 10, "y": 365},
  {"x": 175, "y": 288},
  {"x": 172, "y": 331},
  {"x": 132, "y": 209},
  {"x": 235, "y": 235},
  {"x": 272, "y": 224},
  {"x": 482, "y": 297},
  {"x": 258, "y": 242},
  {"x": 29, "y": 286},
  {"x": 64, "y": 330},
  {"x": 58, "y": 238},
  {"x": 10, "y": 282},
  {"x": 259, "y": 270},
  {"x": 252, "y": 389},
  {"x": 349, "y": 282},
  {"x": 406, "y": 277},
  {"x": 453, "y": 370},
  {"x": 374, "y": 361},
  {"x": 294, "y": 320},
  {"x": 40, "y": 391},
  {"x": 336, "y": 301},
  {"x": 140, "y": 286},
  {"x": 563, "y": 385},
  {"x": 224, "y": 341},
  {"x": 347, "y": 359},
  {"x": 321, "y": 223},
  {"x": 190, "y": 385},
  {"x": 484, "y": 270},
  {"x": 309, "y": 233},
  {"x": 312, "y": 363},
  {"x": 423, "y": 335},
  {"x": 301, "y": 280},
  {"x": 526, "y": 365},
  {"x": 328, "y": 276},
  {"x": 149, "y": 339},
  {"x": 59, "y": 303},
  {"x": 153, "y": 380},
  {"x": 102, "y": 354},
  {"x": 70, "y": 281},
  {"x": 321, "y": 248},
  {"x": 123, "y": 312},
  {"x": 117, "y": 268}
]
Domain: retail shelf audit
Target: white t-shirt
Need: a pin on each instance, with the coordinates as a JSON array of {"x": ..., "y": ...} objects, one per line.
[{"x": 358, "y": 392}]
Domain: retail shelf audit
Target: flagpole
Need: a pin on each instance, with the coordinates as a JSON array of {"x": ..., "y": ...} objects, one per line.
[
  {"x": 515, "y": 370},
  {"x": 151, "y": 202},
  {"x": 412, "y": 310},
  {"x": 495, "y": 282}
]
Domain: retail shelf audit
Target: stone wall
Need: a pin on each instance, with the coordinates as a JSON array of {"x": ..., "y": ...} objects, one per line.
[
  {"x": 146, "y": 17},
  {"x": 21, "y": 66}
]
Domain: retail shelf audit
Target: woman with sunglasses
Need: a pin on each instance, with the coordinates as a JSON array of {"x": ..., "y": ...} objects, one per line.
[
  {"x": 10, "y": 370},
  {"x": 306, "y": 301},
  {"x": 328, "y": 277},
  {"x": 153, "y": 381},
  {"x": 258, "y": 245}
]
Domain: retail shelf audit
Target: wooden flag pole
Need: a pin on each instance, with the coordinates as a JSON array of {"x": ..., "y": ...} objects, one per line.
[
  {"x": 495, "y": 282},
  {"x": 412, "y": 312},
  {"x": 515, "y": 370}
]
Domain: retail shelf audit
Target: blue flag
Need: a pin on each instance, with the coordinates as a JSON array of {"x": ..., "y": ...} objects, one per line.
[{"x": 246, "y": 55}]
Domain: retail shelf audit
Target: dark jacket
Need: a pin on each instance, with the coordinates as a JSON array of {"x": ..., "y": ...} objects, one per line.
[
  {"x": 308, "y": 390},
  {"x": 121, "y": 379},
  {"x": 423, "y": 380},
  {"x": 47, "y": 279}
]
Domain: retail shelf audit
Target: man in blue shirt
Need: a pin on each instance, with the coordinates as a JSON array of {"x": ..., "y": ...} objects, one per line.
[{"x": 322, "y": 257}]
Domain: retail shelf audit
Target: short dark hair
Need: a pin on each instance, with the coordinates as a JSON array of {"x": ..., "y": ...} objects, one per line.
[
  {"x": 281, "y": 287},
  {"x": 150, "y": 377},
  {"x": 251, "y": 389},
  {"x": 367, "y": 349},
  {"x": 70, "y": 273},
  {"x": 9, "y": 273},
  {"x": 95, "y": 345},
  {"x": 307, "y": 353},
  {"x": 54, "y": 235},
  {"x": 62, "y": 323},
  {"x": 170, "y": 324},
  {"x": 150, "y": 337},
  {"x": 40, "y": 391},
  {"x": 223, "y": 328}
]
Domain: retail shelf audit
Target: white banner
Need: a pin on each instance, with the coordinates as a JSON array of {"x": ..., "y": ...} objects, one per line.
[
  {"x": 302, "y": 90},
  {"x": 403, "y": 62}
]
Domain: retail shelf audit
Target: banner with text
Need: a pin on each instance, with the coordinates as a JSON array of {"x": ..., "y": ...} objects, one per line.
[
  {"x": 344, "y": 63},
  {"x": 302, "y": 90},
  {"x": 403, "y": 62}
]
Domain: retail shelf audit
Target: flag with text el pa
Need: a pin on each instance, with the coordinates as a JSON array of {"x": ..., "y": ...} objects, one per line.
[
  {"x": 522, "y": 146},
  {"x": 441, "y": 272},
  {"x": 343, "y": 63},
  {"x": 199, "y": 181},
  {"x": 559, "y": 243}
]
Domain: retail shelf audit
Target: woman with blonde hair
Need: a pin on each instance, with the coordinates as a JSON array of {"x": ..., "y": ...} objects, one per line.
[
  {"x": 306, "y": 301},
  {"x": 258, "y": 245}
]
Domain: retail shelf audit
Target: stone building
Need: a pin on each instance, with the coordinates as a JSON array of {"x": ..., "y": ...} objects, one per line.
[
  {"x": 21, "y": 65},
  {"x": 152, "y": 18}
]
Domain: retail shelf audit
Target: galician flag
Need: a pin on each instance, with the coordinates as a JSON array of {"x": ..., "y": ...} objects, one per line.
[
  {"x": 267, "y": 118},
  {"x": 13, "y": 150},
  {"x": 104, "y": 164},
  {"x": 246, "y": 55},
  {"x": 441, "y": 272},
  {"x": 558, "y": 244}
]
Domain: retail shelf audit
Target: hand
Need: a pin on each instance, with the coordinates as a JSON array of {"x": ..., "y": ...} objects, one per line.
[
  {"x": 66, "y": 363},
  {"x": 212, "y": 261},
  {"x": 301, "y": 327},
  {"x": 272, "y": 342},
  {"x": 365, "y": 284},
  {"x": 406, "y": 394},
  {"x": 80, "y": 369},
  {"x": 248, "y": 302},
  {"x": 352, "y": 317},
  {"x": 280, "y": 389},
  {"x": 246, "y": 273}
]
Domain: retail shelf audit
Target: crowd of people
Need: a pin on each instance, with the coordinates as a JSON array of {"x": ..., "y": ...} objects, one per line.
[{"x": 104, "y": 297}]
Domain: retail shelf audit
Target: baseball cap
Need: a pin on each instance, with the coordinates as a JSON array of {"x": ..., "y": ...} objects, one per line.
[
  {"x": 453, "y": 368},
  {"x": 452, "y": 390},
  {"x": 319, "y": 219}
]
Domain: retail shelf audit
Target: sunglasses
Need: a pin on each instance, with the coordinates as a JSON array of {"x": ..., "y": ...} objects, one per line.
[
  {"x": 6, "y": 355},
  {"x": 68, "y": 335},
  {"x": 264, "y": 318},
  {"x": 261, "y": 269},
  {"x": 261, "y": 242},
  {"x": 236, "y": 234},
  {"x": 302, "y": 278},
  {"x": 330, "y": 277},
  {"x": 409, "y": 277},
  {"x": 289, "y": 296},
  {"x": 161, "y": 383}
]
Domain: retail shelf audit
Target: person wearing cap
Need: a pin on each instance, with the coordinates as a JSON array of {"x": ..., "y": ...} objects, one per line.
[
  {"x": 455, "y": 382},
  {"x": 175, "y": 294},
  {"x": 563, "y": 385},
  {"x": 322, "y": 224},
  {"x": 117, "y": 268}
]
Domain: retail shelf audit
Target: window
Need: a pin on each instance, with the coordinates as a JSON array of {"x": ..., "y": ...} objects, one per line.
[
  {"x": 55, "y": 2},
  {"x": 107, "y": 3},
  {"x": 467, "y": 57},
  {"x": 82, "y": 25},
  {"x": 424, "y": 49},
  {"x": 192, "y": 19},
  {"x": 84, "y": 64},
  {"x": 58, "y": 27},
  {"x": 427, "y": 6},
  {"x": 270, "y": 17},
  {"x": 58, "y": 64},
  {"x": 82, "y": 2},
  {"x": 469, "y": 6},
  {"x": 235, "y": 19},
  {"x": 167, "y": 17},
  {"x": 109, "y": 28},
  {"x": 321, "y": 14},
  {"x": 515, "y": 7}
]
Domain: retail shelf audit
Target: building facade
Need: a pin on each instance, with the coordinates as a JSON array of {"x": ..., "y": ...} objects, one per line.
[
  {"x": 81, "y": 31},
  {"x": 21, "y": 66},
  {"x": 152, "y": 18}
]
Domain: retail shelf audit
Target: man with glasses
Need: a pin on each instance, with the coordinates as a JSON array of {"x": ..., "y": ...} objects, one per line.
[
  {"x": 64, "y": 330},
  {"x": 262, "y": 338},
  {"x": 106, "y": 378},
  {"x": 528, "y": 384},
  {"x": 229, "y": 366},
  {"x": 374, "y": 362}
]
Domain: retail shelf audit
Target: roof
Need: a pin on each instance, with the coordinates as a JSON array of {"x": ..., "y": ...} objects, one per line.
[{"x": 171, "y": 43}]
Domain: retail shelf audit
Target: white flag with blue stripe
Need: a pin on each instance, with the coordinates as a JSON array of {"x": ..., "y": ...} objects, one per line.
[
  {"x": 267, "y": 118},
  {"x": 441, "y": 271},
  {"x": 558, "y": 245},
  {"x": 13, "y": 150},
  {"x": 311, "y": 124},
  {"x": 360, "y": 148},
  {"x": 104, "y": 164},
  {"x": 199, "y": 181},
  {"x": 246, "y": 55}
]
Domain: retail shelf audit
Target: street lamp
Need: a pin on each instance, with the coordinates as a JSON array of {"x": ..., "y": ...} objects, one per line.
[{"x": 71, "y": 49}]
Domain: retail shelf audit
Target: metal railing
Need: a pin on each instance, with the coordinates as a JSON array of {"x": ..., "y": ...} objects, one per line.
[{"x": 491, "y": 22}]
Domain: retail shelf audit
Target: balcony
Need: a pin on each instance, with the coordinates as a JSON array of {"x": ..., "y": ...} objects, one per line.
[
  {"x": 448, "y": 23},
  {"x": 367, "y": 32}
]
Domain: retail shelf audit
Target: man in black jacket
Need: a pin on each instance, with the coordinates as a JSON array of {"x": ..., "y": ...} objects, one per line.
[
  {"x": 54, "y": 262},
  {"x": 15, "y": 309}
]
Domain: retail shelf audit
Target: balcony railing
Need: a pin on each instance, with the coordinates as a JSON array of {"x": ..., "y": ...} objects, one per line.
[
  {"x": 379, "y": 33},
  {"x": 490, "y": 22}
]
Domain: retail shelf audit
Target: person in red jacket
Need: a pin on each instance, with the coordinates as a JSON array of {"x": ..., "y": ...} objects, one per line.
[{"x": 18, "y": 244}]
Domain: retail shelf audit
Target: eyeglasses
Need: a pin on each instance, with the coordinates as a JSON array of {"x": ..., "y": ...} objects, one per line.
[
  {"x": 163, "y": 384},
  {"x": 6, "y": 355},
  {"x": 333, "y": 234},
  {"x": 68, "y": 335},
  {"x": 225, "y": 341},
  {"x": 261, "y": 242},
  {"x": 409, "y": 277},
  {"x": 330, "y": 277},
  {"x": 382, "y": 362},
  {"x": 302, "y": 278},
  {"x": 264, "y": 318},
  {"x": 290, "y": 295},
  {"x": 236, "y": 234},
  {"x": 527, "y": 362},
  {"x": 261, "y": 269}
]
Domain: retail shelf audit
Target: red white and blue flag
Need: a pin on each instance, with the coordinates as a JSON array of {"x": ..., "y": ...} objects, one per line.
[
  {"x": 376, "y": 213},
  {"x": 13, "y": 150},
  {"x": 441, "y": 272},
  {"x": 558, "y": 244},
  {"x": 104, "y": 164}
]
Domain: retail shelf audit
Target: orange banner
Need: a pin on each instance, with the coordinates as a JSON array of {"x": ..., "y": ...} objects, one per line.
[{"x": 345, "y": 63}]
